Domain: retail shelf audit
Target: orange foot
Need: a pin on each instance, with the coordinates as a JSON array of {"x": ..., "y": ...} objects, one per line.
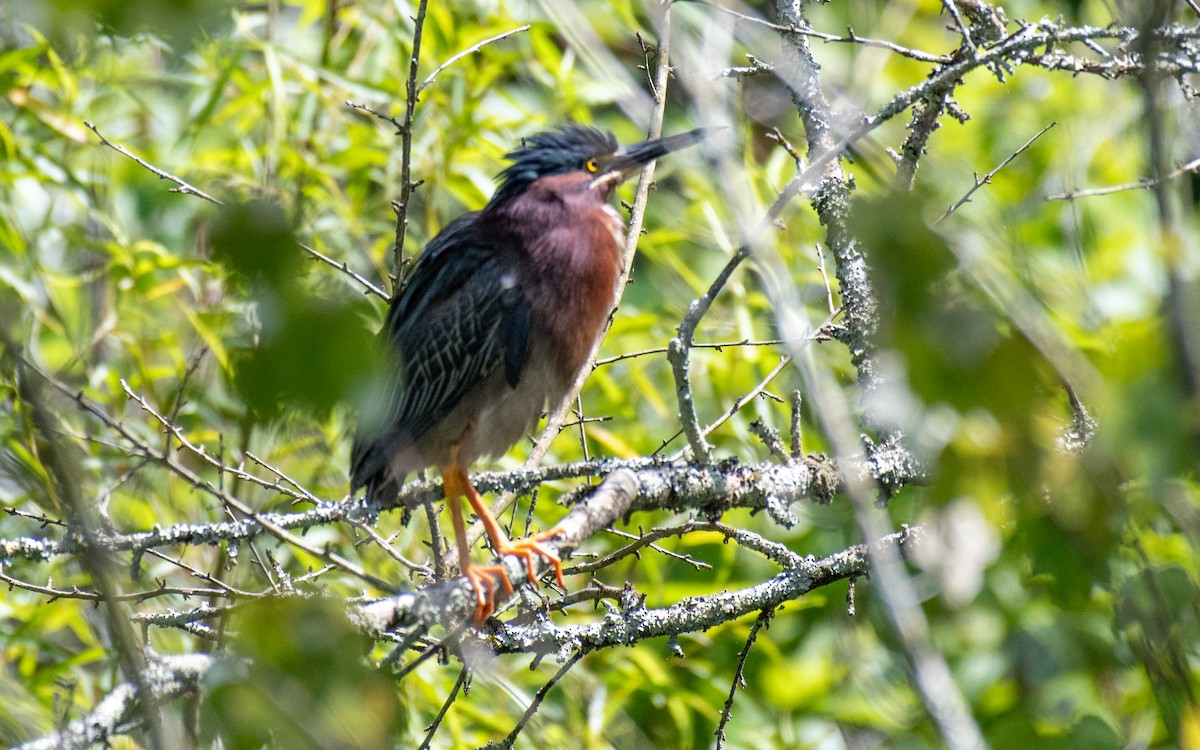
[
  {"x": 484, "y": 579},
  {"x": 531, "y": 545}
]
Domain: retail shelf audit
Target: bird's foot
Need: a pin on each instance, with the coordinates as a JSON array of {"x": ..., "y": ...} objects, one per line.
[
  {"x": 531, "y": 545},
  {"x": 484, "y": 579}
]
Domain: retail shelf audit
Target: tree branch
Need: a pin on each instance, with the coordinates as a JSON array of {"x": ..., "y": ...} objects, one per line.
[{"x": 119, "y": 712}]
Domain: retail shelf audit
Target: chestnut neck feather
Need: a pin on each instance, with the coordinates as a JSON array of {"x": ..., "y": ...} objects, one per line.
[{"x": 570, "y": 255}]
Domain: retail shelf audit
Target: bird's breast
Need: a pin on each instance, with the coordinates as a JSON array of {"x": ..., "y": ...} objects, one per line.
[{"x": 574, "y": 269}]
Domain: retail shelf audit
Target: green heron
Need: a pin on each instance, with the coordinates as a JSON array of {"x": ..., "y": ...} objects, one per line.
[{"x": 496, "y": 320}]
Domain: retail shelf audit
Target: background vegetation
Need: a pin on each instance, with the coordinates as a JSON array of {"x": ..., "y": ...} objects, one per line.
[{"x": 1056, "y": 567}]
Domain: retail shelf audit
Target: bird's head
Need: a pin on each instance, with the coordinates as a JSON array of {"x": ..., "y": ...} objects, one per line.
[{"x": 576, "y": 148}]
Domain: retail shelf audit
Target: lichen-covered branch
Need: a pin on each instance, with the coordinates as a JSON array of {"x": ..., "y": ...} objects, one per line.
[
  {"x": 711, "y": 489},
  {"x": 119, "y": 712}
]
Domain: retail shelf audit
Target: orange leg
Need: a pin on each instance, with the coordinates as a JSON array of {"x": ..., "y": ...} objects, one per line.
[{"x": 484, "y": 578}]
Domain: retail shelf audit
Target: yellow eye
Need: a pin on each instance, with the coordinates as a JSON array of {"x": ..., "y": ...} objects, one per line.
[{"x": 591, "y": 165}]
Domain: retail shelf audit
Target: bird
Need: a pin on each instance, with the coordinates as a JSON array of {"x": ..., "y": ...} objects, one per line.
[{"x": 497, "y": 317}]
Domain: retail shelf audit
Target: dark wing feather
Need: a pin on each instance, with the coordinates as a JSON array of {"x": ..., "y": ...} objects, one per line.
[{"x": 460, "y": 316}]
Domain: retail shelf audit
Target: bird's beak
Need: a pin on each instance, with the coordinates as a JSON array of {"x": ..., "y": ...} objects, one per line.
[{"x": 629, "y": 159}]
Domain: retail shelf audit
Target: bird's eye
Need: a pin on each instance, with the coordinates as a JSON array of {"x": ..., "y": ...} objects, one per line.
[{"x": 591, "y": 165}]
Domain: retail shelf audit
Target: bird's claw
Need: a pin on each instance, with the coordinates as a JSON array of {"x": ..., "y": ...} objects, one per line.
[
  {"x": 531, "y": 545},
  {"x": 483, "y": 580}
]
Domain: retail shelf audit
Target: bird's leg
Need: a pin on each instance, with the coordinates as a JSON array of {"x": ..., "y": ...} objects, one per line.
[
  {"x": 483, "y": 578},
  {"x": 524, "y": 548}
]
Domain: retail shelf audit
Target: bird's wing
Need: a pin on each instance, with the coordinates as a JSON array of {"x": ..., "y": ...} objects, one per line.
[{"x": 461, "y": 315}]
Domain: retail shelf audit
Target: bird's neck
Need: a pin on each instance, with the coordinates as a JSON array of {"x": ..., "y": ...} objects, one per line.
[{"x": 569, "y": 244}]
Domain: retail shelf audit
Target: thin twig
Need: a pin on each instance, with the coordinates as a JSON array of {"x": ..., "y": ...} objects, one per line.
[
  {"x": 686, "y": 559},
  {"x": 1142, "y": 184},
  {"x": 228, "y": 589},
  {"x": 185, "y": 188},
  {"x": 640, "y": 541},
  {"x": 987, "y": 178},
  {"x": 463, "y": 677},
  {"x": 748, "y": 539},
  {"x": 748, "y": 397},
  {"x": 368, "y": 287},
  {"x": 469, "y": 50},
  {"x": 230, "y": 501},
  {"x": 851, "y": 37},
  {"x": 962, "y": 25},
  {"x": 385, "y": 545},
  {"x": 406, "y": 185},
  {"x": 202, "y": 453},
  {"x": 381, "y": 115},
  {"x": 538, "y": 698},
  {"x": 279, "y": 473},
  {"x": 40, "y": 518},
  {"x": 54, "y": 594},
  {"x": 181, "y": 389},
  {"x": 718, "y": 345},
  {"x": 740, "y": 402},
  {"x": 777, "y": 135},
  {"x": 677, "y": 354},
  {"x": 739, "y": 676}
]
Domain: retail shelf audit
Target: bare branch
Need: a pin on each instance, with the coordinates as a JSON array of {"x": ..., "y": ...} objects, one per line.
[
  {"x": 185, "y": 188},
  {"x": 942, "y": 697},
  {"x": 405, "y": 128},
  {"x": 739, "y": 679},
  {"x": 468, "y": 51},
  {"x": 464, "y": 677},
  {"x": 1143, "y": 184},
  {"x": 537, "y": 700},
  {"x": 166, "y": 677},
  {"x": 714, "y": 489},
  {"x": 380, "y": 115},
  {"x": 368, "y": 287},
  {"x": 850, "y": 38},
  {"x": 987, "y": 178},
  {"x": 962, "y": 26},
  {"x": 755, "y": 67},
  {"x": 737, "y": 405},
  {"x": 632, "y": 623}
]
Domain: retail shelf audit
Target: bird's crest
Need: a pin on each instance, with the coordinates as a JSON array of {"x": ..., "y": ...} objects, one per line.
[{"x": 567, "y": 149}]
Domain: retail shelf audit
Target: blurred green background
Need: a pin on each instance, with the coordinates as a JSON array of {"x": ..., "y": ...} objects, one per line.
[{"x": 1061, "y": 587}]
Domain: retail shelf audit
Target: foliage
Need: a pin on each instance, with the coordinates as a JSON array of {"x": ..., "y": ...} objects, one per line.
[{"x": 1060, "y": 585}]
